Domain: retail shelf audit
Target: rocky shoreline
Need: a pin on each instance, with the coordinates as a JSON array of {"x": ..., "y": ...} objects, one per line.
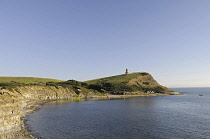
[
  {"x": 23, "y": 104},
  {"x": 18, "y": 102},
  {"x": 23, "y": 133}
]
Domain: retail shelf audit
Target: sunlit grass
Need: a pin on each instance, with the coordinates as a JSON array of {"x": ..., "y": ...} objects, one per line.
[
  {"x": 117, "y": 79},
  {"x": 27, "y": 79}
]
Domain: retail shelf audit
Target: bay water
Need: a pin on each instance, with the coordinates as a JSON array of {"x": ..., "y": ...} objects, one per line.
[{"x": 184, "y": 116}]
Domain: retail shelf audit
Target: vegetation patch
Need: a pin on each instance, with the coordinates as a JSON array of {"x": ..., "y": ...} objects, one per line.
[{"x": 76, "y": 86}]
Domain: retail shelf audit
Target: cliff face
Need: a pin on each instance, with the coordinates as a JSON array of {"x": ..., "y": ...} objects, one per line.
[
  {"x": 14, "y": 104},
  {"x": 147, "y": 81}
]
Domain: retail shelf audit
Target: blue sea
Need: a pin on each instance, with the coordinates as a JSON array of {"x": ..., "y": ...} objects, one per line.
[{"x": 184, "y": 116}]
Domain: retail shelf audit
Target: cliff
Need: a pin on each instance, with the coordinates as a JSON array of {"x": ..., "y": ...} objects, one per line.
[
  {"x": 15, "y": 103},
  {"x": 147, "y": 82}
]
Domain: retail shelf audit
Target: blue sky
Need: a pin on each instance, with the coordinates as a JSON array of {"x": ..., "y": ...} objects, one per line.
[{"x": 88, "y": 39}]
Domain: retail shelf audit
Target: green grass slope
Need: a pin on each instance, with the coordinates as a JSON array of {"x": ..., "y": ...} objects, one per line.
[
  {"x": 139, "y": 81},
  {"x": 118, "y": 78},
  {"x": 27, "y": 80}
]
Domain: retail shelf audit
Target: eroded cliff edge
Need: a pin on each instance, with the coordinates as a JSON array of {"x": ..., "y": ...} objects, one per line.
[{"x": 17, "y": 102}]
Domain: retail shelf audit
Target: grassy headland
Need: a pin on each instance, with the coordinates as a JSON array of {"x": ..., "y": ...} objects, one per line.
[
  {"x": 12, "y": 82},
  {"x": 27, "y": 80},
  {"x": 139, "y": 81}
]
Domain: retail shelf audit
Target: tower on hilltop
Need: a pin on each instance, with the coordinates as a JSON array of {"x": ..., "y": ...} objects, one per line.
[{"x": 126, "y": 71}]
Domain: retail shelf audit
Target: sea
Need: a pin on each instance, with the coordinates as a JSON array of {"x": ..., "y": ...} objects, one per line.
[{"x": 185, "y": 116}]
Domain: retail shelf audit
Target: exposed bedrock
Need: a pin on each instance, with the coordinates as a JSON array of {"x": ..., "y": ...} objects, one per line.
[{"x": 15, "y": 103}]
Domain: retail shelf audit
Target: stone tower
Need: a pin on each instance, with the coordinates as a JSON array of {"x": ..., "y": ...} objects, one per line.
[{"x": 126, "y": 71}]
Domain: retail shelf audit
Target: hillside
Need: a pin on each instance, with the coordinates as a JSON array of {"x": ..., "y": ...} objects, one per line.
[
  {"x": 139, "y": 81},
  {"x": 27, "y": 80}
]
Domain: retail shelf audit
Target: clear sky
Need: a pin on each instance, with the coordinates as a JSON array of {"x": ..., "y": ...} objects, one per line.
[{"x": 88, "y": 39}]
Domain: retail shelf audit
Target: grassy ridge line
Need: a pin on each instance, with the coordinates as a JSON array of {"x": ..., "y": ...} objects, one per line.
[
  {"x": 27, "y": 79},
  {"x": 117, "y": 78}
]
